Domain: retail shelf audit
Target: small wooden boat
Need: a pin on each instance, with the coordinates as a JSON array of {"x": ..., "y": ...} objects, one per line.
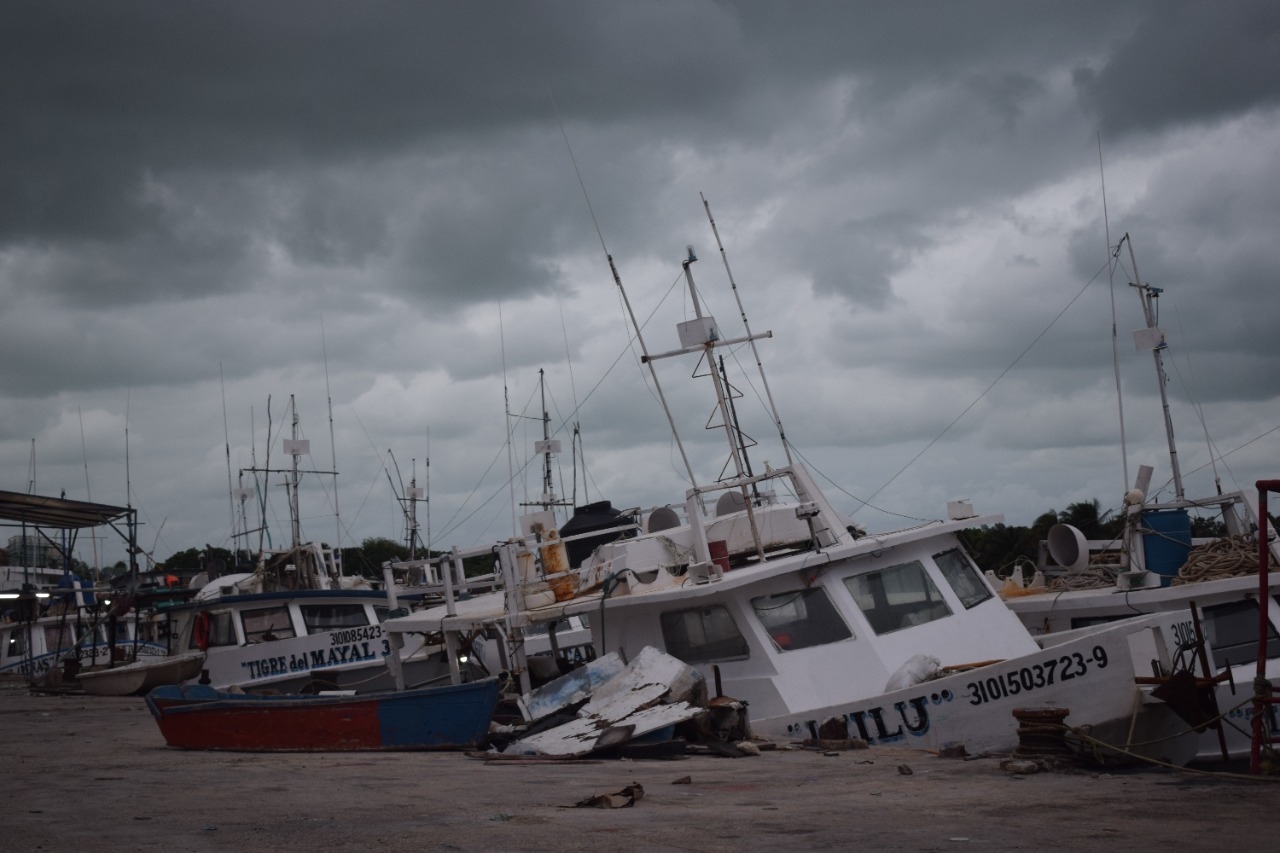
[
  {"x": 448, "y": 717},
  {"x": 141, "y": 676}
]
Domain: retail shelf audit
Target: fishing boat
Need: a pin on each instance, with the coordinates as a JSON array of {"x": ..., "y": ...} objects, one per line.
[
  {"x": 824, "y": 630},
  {"x": 139, "y": 677},
  {"x": 1156, "y": 565},
  {"x": 445, "y": 717},
  {"x": 52, "y": 620},
  {"x": 295, "y": 621}
]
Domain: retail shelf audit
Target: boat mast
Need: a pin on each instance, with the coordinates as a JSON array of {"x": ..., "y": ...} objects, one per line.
[
  {"x": 336, "y": 552},
  {"x": 1153, "y": 338},
  {"x": 735, "y": 448},
  {"x": 295, "y": 521},
  {"x": 646, "y": 359},
  {"x": 755, "y": 351},
  {"x": 548, "y": 485}
]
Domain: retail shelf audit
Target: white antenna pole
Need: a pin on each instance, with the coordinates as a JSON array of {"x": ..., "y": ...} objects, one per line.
[
  {"x": 295, "y": 519},
  {"x": 1147, "y": 296},
  {"x": 128, "y": 493},
  {"x": 262, "y": 499},
  {"x": 226, "y": 436},
  {"x": 84, "y": 453},
  {"x": 1115, "y": 344},
  {"x": 755, "y": 351},
  {"x": 333, "y": 455},
  {"x": 427, "y": 485},
  {"x": 617, "y": 280},
  {"x": 506, "y": 417}
]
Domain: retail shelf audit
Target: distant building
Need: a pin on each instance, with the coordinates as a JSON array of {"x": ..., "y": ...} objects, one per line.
[{"x": 32, "y": 551}]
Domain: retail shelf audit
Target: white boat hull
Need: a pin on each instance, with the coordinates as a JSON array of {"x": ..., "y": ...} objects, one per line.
[
  {"x": 1092, "y": 678},
  {"x": 140, "y": 676}
]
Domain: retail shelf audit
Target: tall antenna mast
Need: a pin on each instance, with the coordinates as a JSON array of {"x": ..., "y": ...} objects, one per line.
[
  {"x": 226, "y": 437},
  {"x": 333, "y": 457},
  {"x": 1115, "y": 340},
  {"x": 755, "y": 352},
  {"x": 427, "y": 478},
  {"x": 702, "y": 334},
  {"x": 295, "y": 451},
  {"x": 1153, "y": 338},
  {"x": 506, "y": 422},
  {"x": 617, "y": 280},
  {"x": 88, "y": 493}
]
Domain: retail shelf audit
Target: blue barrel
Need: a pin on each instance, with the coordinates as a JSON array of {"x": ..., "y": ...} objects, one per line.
[{"x": 1166, "y": 542}]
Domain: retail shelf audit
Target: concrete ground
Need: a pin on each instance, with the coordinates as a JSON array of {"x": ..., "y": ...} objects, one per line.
[{"x": 89, "y": 773}]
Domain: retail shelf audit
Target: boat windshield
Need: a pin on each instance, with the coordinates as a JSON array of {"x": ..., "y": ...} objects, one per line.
[
  {"x": 963, "y": 577},
  {"x": 1231, "y": 630},
  {"x": 800, "y": 618},
  {"x": 267, "y": 624},
  {"x": 329, "y": 617},
  {"x": 702, "y": 634},
  {"x": 897, "y": 597}
]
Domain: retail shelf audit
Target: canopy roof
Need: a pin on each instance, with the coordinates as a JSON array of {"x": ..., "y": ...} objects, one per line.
[{"x": 59, "y": 513}]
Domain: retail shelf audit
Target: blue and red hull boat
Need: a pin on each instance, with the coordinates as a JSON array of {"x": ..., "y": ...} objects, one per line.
[{"x": 454, "y": 716}]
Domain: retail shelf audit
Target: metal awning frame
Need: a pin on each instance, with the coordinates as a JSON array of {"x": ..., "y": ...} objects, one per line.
[{"x": 22, "y": 510}]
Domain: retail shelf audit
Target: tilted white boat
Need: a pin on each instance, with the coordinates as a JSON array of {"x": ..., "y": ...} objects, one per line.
[
  {"x": 893, "y": 637},
  {"x": 1156, "y": 566}
]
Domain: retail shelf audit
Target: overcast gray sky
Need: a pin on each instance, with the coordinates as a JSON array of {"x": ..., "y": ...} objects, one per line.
[{"x": 374, "y": 204}]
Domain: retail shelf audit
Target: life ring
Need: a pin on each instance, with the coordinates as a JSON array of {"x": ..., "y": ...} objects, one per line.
[{"x": 204, "y": 623}]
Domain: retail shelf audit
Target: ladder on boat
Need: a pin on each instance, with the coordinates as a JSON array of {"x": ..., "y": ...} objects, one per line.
[{"x": 1264, "y": 700}]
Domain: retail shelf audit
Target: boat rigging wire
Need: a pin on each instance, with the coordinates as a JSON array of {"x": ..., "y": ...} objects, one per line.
[
  {"x": 226, "y": 438},
  {"x": 1115, "y": 342},
  {"x": 333, "y": 447},
  {"x": 986, "y": 390}
]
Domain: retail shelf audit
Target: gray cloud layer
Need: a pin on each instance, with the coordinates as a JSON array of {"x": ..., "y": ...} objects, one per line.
[{"x": 909, "y": 189}]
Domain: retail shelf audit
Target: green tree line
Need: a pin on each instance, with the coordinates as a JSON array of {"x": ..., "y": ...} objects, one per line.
[{"x": 1000, "y": 547}]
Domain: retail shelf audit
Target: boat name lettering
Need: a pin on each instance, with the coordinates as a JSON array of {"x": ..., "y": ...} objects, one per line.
[
  {"x": 351, "y": 653},
  {"x": 878, "y": 725},
  {"x": 1035, "y": 676},
  {"x": 315, "y": 659},
  {"x": 353, "y": 635}
]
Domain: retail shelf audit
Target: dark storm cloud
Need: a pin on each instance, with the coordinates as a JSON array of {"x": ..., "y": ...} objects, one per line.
[
  {"x": 187, "y": 190},
  {"x": 106, "y": 92},
  {"x": 1187, "y": 62}
]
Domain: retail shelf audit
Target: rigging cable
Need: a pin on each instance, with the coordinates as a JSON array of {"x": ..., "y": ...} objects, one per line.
[{"x": 986, "y": 390}]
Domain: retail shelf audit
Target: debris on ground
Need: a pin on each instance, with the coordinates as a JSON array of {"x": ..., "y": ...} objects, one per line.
[{"x": 623, "y": 799}]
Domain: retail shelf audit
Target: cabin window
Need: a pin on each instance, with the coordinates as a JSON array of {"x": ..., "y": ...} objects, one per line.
[
  {"x": 329, "y": 617},
  {"x": 17, "y": 645},
  {"x": 58, "y": 637},
  {"x": 222, "y": 631},
  {"x": 267, "y": 624},
  {"x": 702, "y": 634},
  {"x": 897, "y": 597},
  {"x": 1232, "y": 632},
  {"x": 968, "y": 585},
  {"x": 800, "y": 619}
]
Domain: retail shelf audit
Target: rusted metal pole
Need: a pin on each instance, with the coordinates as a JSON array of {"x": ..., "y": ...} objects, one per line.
[{"x": 1261, "y": 704}]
